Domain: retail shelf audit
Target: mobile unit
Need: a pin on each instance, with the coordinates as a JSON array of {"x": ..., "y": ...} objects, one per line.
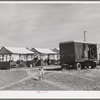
[{"x": 78, "y": 54}]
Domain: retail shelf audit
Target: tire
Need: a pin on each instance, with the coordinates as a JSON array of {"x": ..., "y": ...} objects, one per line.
[
  {"x": 64, "y": 67},
  {"x": 93, "y": 65},
  {"x": 82, "y": 65},
  {"x": 78, "y": 66},
  {"x": 87, "y": 65}
]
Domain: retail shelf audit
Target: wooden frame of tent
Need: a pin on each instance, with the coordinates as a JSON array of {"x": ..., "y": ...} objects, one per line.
[{"x": 11, "y": 58}]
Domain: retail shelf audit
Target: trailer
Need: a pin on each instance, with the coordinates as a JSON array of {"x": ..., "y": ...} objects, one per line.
[{"x": 79, "y": 55}]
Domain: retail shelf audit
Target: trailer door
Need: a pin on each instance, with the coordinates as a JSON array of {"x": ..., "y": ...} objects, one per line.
[{"x": 79, "y": 52}]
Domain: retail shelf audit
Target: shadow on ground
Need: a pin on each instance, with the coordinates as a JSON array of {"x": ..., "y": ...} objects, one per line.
[
  {"x": 35, "y": 79},
  {"x": 53, "y": 69}
]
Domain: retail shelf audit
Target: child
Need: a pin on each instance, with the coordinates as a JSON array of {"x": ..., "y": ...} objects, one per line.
[{"x": 41, "y": 73}]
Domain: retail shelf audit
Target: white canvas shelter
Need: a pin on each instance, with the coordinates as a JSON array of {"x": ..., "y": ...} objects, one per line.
[
  {"x": 57, "y": 57},
  {"x": 55, "y": 50},
  {"x": 45, "y": 51},
  {"x": 19, "y": 50},
  {"x": 15, "y": 53}
]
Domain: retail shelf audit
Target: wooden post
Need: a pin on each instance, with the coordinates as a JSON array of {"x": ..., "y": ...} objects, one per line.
[
  {"x": 27, "y": 57},
  {"x": 57, "y": 59},
  {"x": 48, "y": 59},
  {"x": 24, "y": 58},
  {"x": 31, "y": 57},
  {"x": 6, "y": 57},
  {"x": 19, "y": 57},
  {"x": 10, "y": 57},
  {"x": 2, "y": 58}
]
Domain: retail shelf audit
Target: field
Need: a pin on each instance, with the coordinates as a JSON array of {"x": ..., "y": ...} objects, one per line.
[{"x": 55, "y": 79}]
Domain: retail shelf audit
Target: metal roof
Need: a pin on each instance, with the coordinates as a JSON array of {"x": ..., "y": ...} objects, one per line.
[
  {"x": 85, "y": 42},
  {"x": 18, "y": 50},
  {"x": 45, "y": 51}
]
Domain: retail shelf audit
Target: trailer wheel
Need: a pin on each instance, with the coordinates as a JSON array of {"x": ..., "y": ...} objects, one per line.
[
  {"x": 78, "y": 66},
  {"x": 82, "y": 66},
  {"x": 93, "y": 65},
  {"x": 64, "y": 66}
]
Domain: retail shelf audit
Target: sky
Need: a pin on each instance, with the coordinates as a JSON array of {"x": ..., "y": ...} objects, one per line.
[{"x": 45, "y": 25}]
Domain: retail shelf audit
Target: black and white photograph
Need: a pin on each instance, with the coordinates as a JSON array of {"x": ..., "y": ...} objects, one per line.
[{"x": 49, "y": 47}]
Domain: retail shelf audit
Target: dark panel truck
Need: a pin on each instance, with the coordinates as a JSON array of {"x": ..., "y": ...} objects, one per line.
[{"x": 78, "y": 55}]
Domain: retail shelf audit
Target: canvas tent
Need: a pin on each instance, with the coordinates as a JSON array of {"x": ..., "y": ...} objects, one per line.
[
  {"x": 44, "y": 54},
  {"x": 55, "y": 50},
  {"x": 58, "y": 54},
  {"x": 14, "y": 54}
]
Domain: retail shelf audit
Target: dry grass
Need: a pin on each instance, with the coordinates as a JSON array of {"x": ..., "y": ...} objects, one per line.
[
  {"x": 32, "y": 85},
  {"x": 10, "y": 76},
  {"x": 87, "y": 79}
]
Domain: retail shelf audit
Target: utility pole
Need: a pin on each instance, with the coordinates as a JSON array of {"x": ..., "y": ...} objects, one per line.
[{"x": 85, "y": 36}]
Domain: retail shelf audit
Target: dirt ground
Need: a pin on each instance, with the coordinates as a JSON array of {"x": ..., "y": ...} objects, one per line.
[{"x": 55, "y": 79}]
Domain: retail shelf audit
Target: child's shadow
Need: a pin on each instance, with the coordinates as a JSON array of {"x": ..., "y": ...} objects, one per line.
[{"x": 35, "y": 79}]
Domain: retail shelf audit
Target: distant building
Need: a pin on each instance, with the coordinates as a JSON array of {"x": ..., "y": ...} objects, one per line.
[{"x": 55, "y": 50}]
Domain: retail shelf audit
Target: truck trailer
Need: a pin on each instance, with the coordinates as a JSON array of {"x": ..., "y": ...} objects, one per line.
[{"x": 79, "y": 55}]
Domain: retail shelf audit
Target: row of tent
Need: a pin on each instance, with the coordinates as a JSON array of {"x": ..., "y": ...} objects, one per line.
[{"x": 19, "y": 56}]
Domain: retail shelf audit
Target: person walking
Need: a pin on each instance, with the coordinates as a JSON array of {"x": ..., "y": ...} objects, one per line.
[{"x": 41, "y": 73}]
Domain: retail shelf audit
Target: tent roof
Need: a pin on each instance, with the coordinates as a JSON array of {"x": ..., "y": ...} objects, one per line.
[
  {"x": 18, "y": 50},
  {"x": 45, "y": 51},
  {"x": 55, "y": 50}
]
